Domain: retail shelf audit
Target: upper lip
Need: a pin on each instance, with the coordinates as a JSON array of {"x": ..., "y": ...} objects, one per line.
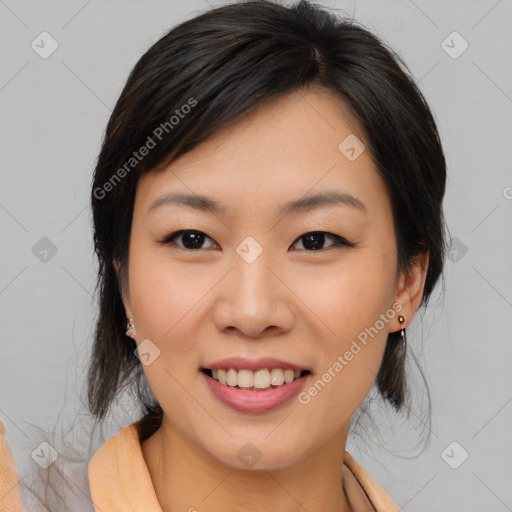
[{"x": 241, "y": 363}]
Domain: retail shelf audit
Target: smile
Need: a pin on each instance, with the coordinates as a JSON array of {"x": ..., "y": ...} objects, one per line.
[{"x": 259, "y": 380}]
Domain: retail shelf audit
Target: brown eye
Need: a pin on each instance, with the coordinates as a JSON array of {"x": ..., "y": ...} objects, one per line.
[
  {"x": 190, "y": 239},
  {"x": 315, "y": 240}
]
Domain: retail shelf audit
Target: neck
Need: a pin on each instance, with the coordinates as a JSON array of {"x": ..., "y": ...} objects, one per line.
[{"x": 185, "y": 477}]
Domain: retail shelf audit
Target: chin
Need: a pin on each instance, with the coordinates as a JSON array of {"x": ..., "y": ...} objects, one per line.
[{"x": 259, "y": 454}]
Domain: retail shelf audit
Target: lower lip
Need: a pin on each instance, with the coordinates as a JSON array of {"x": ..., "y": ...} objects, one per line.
[{"x": 255, "y": 401}]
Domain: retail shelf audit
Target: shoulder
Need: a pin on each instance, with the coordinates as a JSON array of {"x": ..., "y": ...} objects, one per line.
[
  {"x": 376, "y": 495},
  {"x": 10, "y": 498},
  {"x": 105, "y": 479},
  {"x": 118, "y": 476}
]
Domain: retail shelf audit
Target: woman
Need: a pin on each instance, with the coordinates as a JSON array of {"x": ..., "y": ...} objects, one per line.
[{"x": 267, "y": 211}]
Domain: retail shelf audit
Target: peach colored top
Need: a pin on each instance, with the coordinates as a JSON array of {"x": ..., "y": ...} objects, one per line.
[
  {"x": 120, "y": 482},
  {"x": 10, "y": 498}
]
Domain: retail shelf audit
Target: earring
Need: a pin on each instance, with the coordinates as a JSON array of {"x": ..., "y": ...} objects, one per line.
[
  {"x": 403, "y": 337},
  {"x": 130, "y": 326},
  {"x": 391, "y": 377}
]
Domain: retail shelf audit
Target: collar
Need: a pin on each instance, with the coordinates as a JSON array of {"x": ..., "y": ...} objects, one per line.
[{"x": 119, "y": 479}]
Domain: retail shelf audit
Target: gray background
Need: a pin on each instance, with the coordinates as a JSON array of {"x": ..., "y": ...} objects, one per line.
[{"x": 53, "y": 114}]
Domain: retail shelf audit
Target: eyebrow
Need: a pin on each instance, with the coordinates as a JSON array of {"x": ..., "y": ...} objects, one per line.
[{"x": 303, "y": 204}]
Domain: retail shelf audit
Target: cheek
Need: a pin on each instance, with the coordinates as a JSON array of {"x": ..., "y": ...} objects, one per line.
[
  {"x": 352, "y": 310},
  {"x": 349, "y": 357},
  {"x": 348, "y": 297},
  {"x": 163, "y": 298},
  {"x": 164, "y": 295}
]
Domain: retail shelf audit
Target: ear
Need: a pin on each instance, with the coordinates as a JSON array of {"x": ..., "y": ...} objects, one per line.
[
  {"x": 409, "y": 290},
  {"x": 125, "y": 295}
]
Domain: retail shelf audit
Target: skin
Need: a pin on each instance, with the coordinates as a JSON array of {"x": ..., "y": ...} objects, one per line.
[{"x": 293, "y": 303}]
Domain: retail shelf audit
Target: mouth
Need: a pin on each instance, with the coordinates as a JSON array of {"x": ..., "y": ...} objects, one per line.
[
  {"x": 255, "y": 386},
  {"x": 255, "y": 380}
]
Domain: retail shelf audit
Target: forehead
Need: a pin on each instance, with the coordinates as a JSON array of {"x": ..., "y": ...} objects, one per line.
[{"x": 289, "y": 147}]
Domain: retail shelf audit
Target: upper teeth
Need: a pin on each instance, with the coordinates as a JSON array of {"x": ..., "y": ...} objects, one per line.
[{"x": 260, "y": 379}]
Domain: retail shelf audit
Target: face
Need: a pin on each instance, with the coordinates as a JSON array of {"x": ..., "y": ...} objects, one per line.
[{"x": 256, "y": 287}]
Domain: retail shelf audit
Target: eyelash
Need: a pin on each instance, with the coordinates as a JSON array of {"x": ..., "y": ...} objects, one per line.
[{"x": 339, "y": 241}]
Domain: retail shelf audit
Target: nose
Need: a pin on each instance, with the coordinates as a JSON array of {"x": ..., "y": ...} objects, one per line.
[{"x": 254, "y": 301}]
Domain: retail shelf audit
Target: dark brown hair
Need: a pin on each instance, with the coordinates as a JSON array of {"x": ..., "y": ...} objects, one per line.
[{"x": 225, "y": 63}]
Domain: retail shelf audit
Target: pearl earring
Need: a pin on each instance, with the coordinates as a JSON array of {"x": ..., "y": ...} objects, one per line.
[{"x": 130, "y": 326}]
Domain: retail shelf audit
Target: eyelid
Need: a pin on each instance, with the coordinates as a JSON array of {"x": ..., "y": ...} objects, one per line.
[
  {"x": 340, "y": 241},
  {"x": 175, "y": 234}
]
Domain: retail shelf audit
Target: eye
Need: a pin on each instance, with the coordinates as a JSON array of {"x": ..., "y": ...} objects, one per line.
[
  {"x": 315, "y": 240},
  {"x": 191, "y": 238},
  {"x": 312, "y": 241}
]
